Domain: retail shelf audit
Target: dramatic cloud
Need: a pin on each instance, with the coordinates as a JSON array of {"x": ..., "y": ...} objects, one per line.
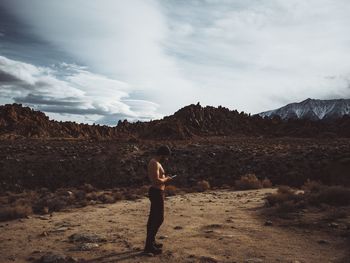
[
  {"x": 255, "y": 55},
  {"x": 249, "y": 55},
  {"x": 79, "y": 92},
  {"x": 120, "y": 39}
]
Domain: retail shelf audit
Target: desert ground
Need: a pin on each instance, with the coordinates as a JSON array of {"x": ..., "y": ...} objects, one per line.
[
  {"x": 84, "y": 201},
  {"x": 212, "y": 226}
]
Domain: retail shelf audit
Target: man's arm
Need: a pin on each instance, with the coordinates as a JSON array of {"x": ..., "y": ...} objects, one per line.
[{"x": 154, "y": 174}]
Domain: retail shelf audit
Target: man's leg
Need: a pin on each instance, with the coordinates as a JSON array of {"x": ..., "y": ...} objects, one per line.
[
  {"x": 153, "y": 220},
  {"x": 160, "y": 212}
]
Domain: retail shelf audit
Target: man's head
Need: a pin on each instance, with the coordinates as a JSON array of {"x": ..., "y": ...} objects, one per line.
[{"x": 163, "y": 152}]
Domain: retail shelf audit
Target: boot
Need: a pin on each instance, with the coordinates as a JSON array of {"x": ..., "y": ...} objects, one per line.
[
  {"x": 152, "y": 249},
  {"x": 157, "y": 245}
]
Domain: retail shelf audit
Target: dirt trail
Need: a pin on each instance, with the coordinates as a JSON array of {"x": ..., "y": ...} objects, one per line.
[{"x": 215, "y": 226}]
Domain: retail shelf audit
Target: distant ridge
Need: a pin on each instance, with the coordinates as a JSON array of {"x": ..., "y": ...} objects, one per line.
[
  {"x": 312, "y": 109},
  {"x": 189, "y": 122}
]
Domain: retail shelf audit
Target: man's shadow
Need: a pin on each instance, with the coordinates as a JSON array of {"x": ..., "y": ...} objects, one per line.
[{"x": 117, "y": 257}]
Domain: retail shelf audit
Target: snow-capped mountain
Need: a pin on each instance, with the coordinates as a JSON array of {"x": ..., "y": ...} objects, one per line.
[{"x": 312, "y": 109}]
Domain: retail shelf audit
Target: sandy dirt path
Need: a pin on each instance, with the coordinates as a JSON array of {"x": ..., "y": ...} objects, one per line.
[{"x": 215, "y": 226}]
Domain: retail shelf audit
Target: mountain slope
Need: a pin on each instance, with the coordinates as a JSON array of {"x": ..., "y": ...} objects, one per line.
[
  {"x": 312, "y": 109},
  {"x": 191, "y": 121},
  {"x": 17, "y": 121}
]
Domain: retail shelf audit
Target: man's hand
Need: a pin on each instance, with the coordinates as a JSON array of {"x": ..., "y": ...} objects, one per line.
[{"x": 168, "y": 178}]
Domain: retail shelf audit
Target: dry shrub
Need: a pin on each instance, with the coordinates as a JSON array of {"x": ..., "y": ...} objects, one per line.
[
  {"x": 12, "y": 197},
  {"x": 16, "y": 211},
  {"x": 56, "y": 204},
  {"x": 50, "y": 202},
  {"x": 45, "y": 210},
  {"x": 312, "y": 186},
  {"x": 266, "y": 183},
  {"x": 131, "y": 194},
  {"x": 285, "y": 189},
  {"x": 79, "y": 195},
  {"x": 248, "y": 181},
  {"x": 336, "y": 213},
  {"x": 88, "y": 188},
  {"x": 39, "y": 206},
  {"x": 107, "y": 198},
  {"x": 4, "y": 200},
  {"x": 225, "y": 186},
  {"x": 143, "y": 190},
  {"x": 91, "y": 196},
  {"x": 331, "y": 195},
  {"x": 202, "y": 186},
  {"x": 286, "y": 200},
  {"x": 82, "y": 203},
  {"x": 287, "y": 207},
  {"x": 118, "y": 196},
  {"x": 284, "y": 194},
  {"x": 22, "y": 201},
  {"x": 316, "y": 194},
  {"x": 67, "y": 196},
  {"x": 43, "y": 190},
  {"x": 170, "y": 190}
]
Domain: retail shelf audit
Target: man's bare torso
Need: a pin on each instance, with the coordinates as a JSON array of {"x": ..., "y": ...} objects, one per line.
[{"x": 160, "y": 171}]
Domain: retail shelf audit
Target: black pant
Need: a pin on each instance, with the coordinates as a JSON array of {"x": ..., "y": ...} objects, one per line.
[{"x": 156, "y": 215}]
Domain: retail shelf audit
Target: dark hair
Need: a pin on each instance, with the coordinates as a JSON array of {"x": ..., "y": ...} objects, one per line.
[{"x": 164, "y": 150}]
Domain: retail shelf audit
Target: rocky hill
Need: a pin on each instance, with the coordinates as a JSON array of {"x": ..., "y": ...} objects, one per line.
[
  {"x": 311, "y": 109},
  {"x": 18, "y": 121},
  {"x": 191, "y": 121}
]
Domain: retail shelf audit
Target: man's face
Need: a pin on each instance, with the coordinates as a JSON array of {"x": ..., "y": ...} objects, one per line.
[{"x": 164, "y": 158}]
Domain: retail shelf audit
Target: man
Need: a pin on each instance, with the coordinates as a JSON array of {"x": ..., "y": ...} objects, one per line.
[{"x": 158, "y": 179}]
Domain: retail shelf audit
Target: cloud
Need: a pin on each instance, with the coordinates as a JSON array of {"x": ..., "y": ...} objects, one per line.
[
  {"x": 119, "y": 39},
  {"x": 7, "y": 78},
  {"x": 36, "y": 99},
  {"x": 255, "y": 55},
  {"x": 250, "y": 55},
  {"x": 77, "y": 92}
]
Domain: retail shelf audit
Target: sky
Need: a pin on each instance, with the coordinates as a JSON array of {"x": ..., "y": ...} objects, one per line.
[{"x": 100, "y": 61}]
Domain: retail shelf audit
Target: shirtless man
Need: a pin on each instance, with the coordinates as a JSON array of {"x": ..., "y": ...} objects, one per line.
[{"x": 158, "y": 179}]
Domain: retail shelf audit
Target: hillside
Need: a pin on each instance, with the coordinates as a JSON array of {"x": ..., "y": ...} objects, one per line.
[{"x": 191, "y": 121}]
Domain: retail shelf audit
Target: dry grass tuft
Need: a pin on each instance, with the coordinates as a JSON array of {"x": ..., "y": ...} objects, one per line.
[
  {"x": 287, "y": 200},
  {"x": 202, "y": 186},
  {"x": 56, "y": 204},
  {"x": 143, "y": 190},
  {"x": 331, "y": 195},
  {"x": 107, "y": 198},
  {"x": 284, "y": 194},
  {"x": 132, "y": 194},
  {"x": 91, "y": 196},
  {"x": 118, "y": 196},
  {"x": 80, "y": 195},
  {"x": 266, "y": 183},
  {"x": 285, "y": 189},
  {"x": 170, "y": 190},
  {"x": 88, "y": 188},
  {"x": 248, "y": 181},
  {"x": 312, "y": 186},
  {"x": 16, "y": 211}
]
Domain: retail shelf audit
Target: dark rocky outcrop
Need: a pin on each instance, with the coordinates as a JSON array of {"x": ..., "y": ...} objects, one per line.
[
  {"x": 191, "y": 121},
  {"x": 17, "y": 121}
]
